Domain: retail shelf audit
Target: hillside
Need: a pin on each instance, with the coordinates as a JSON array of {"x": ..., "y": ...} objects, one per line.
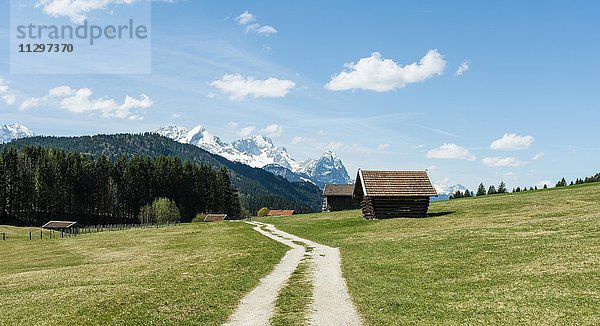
[
  {"x": 257, "y": 187},
  {"x": 525, "y": 258}
]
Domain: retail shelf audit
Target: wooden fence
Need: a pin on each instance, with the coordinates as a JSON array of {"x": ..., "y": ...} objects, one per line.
[{"x": 74, "y": 232}]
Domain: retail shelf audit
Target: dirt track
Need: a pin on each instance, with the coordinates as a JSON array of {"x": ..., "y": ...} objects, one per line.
[{"x": 331, "y": 305}]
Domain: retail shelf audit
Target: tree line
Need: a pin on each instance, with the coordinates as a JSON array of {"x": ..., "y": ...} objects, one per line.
[
  {"x": 481, "y": 190},
  {"x": 39, "y": 184}
]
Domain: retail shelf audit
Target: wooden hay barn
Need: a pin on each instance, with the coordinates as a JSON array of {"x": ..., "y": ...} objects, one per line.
[
  {"x": 338, "y": 197},
  {"x": 215, "y": 217},
  {"x": 59, "y": 225},
  {"x": 281, "y": 212},
  {"x": 387, "y": 194}
]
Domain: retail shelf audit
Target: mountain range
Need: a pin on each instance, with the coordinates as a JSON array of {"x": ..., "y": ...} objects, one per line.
[
  {"x": 14, "y": 131},
  {"x": 444, "y": 191},
  {"x": 260, "y": 152}
]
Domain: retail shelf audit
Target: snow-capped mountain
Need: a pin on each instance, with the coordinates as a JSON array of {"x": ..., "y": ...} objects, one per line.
[
  {"x": 444, "y": 191},
  {"x": 14, "y": 131},
  {"x": 260, "y": 152}
]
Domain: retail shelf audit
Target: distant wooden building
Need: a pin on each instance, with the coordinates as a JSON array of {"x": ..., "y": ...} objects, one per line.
[
  {"x": 281, "y": 212},
  {"x": 215, "y": 217},
  {"x": 60, "y": 225},
  {"x": 338, "y": 197},
  {"x": 387, "y": 194}
]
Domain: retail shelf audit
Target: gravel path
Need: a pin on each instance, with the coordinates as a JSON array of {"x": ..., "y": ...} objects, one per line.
[
  {"x": 331, "y": 302},
  {"x": 257, "y": 307}
]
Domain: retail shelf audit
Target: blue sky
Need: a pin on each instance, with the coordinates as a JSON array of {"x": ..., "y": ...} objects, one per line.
[{"x": 532, "y": 84}]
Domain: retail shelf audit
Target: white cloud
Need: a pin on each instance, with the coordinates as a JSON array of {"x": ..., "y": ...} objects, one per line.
[
  {"x": 334, "y": 145},
  {"x": 246, "y": 131},
  {"x": 239, "y": 87},
  {"x": 249, "y": 20},
  {"x": 273, "y": 130},
  {"x": 544, "y": 182},
  {"x": 9, "y": 99},
  {"x": 510, "y": 176},
  {"x": 31, "y": 103},
  {"x": 258, "y": 29},
  {"x": 502, "y": 162},
  {"x": 381, "y": 75},
  {"x": 432, "y": 168},
  {"x": 512, "y": 142},
  {"x": 383, "y": 147},
  {"x": 245, "y": 18},
  {"x": 322, "y": 132},
  {"x": 81, "y": 101},
  {"x": 298, "y": 139},
  {"x": 464, "y": 67},
  {"x": 5, "y": 92},
  {"x": 450, "y": 151},
  {"x": 78, "y": 10},
  {"x": 232, "y": 125},
  {"x": 538, "y": 156}
]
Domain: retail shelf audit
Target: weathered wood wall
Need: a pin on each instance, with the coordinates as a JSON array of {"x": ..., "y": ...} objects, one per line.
[
  {"x": 389, "y": 207},
  {"x": 342, "y": 203}
]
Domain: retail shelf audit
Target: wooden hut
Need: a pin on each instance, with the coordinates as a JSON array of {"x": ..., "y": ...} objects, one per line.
[
  {"x": 281, "y": 212},
  {"x": 387, "y": 194},
  {"x": 60, "y": 225},
  {"x": 338, "y": 197},
  {"x": 215, "y": 217}
]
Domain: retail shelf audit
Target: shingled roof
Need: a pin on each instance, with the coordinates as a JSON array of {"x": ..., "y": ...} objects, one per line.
[
  {"x": 338, "y": 190},
  {"x": 393, "y": 184},
  {"x": 215, "y": 217},
  {"x": 57, "y": 225},
  {"x": 281, "y": 212}
]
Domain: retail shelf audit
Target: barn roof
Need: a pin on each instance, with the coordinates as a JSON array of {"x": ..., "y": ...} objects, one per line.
[
  {"x": 58, "y": 225},
  {"x": 280, "y": 212},
  {"x": 215, "y": 217},
  {"x": 338, "y": 190},
  {"x": 394, "y": 184}
]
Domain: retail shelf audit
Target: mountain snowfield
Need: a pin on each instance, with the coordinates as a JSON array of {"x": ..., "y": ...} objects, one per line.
[
  {"x": 444, "y": 191},
  {"x": 14, "y": 131},
  {"x": 260, "y": 152}
]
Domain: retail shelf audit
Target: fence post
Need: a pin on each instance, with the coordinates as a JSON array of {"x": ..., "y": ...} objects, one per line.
[
  {"x": 41, "y": 234},
  {"x": 29, "y": 235}
]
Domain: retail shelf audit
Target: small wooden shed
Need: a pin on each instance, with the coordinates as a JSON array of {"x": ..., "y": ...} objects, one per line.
[
  {"x": 338, "y": 197},
  {"x": 215, "y": 217},
  {"x": 387, "y": 194},
  {"x": 281, "y": 212},
  {"x": 59, "y": 225}
]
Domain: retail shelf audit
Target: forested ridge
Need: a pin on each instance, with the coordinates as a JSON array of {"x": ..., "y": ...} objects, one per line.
[
  {"x": 257, "y": 188},
  {"x": 39, "y": 184}
]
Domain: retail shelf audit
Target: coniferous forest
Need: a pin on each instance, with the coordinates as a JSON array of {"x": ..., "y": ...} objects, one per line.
[
  {"x": 39, "y": 184},
  {"x": 257, "y": 187}
]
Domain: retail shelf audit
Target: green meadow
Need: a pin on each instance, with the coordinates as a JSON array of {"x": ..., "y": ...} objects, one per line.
[
  {"x": 188, "y": 274},
  {"x": 525, "y": 258}
]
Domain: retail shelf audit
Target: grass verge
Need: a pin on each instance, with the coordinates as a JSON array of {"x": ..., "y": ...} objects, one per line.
[{"x": 294, "y": 299}]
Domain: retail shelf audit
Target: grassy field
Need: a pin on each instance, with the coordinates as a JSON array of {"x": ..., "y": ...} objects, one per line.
[
  {"x": 189, "y": 274},
  {"x": 530, "y": 257},
  {"x": 294, "y": 299}
]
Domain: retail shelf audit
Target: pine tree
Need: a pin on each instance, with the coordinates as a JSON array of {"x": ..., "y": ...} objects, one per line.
[
  {"x": 481, "y": 190},
  {"x": 492, "y": 190},
  {"x": 502, "y": 188}
]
